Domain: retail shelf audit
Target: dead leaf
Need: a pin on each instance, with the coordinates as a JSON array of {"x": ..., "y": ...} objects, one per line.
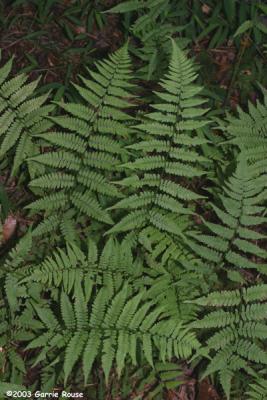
[
  {"x": 206, "y": 9},
  {"x": 206, "y": 391},
  {"x": 9, "y": 227}
]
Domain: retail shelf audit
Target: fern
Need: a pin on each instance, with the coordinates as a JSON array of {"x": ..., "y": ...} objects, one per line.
[
  {"x": 153, "y": 29},
  {"x": 232, "y": 243},
  {"x": 113, "y": 329},
  {"x": 154, "y": 384},
  {"x": 22, "y": 117},
  {"x": 167, "y": 155},
  {"x": 15, "y": 327},
  {"x": 167, "y": 286},
  {"x": 257, "y": 390},
  {"x": 88, "y": 146},
  {"x": 4, "y": 387},
  {"x": 140, "y": 295},
  {"x": 18, "y": 256},
  {"x": 239, "y": 331},
  {"x": 69, "y": 268},
  {"x": 248, "y": 132}
]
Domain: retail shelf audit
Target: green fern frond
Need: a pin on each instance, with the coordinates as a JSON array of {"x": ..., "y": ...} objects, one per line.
[
  {"x": 116, "y": 328},
  {"x": 231, "y": 242},
  {"x": 152, "y": 29},
  {"x": 248, "y": 132},
  {"x": 167, "y": 155},
  {"x": 155, "y": 382},
  {"x": 22, "y": 116},
  {"x": 257, "y": 389},
  {"x": 66, "y": 269},
  {"x": 236, "y": 331},
  {"x": 87, "y": 151}
]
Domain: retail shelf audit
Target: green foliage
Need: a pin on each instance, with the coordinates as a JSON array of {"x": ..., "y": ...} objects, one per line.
[
  {"x": 88, "y": 148},
  {"x": 230, "y": 244},
  {"x": 257, "y": 389},
  {"x": 249, "y": 133},
  {"x": 69, "y": 268},
  {"x": 160, "y": 261},
  {"x": 152, "y": 28},
  {"x": 215, "y": 23},
  {"x": 167, "y": 154},
  {"x": 155, "y": 383},
  {"x": 236, "y": 331},
  {"x": 112, "y": 329},
  {"x": 22, "y": 117}
]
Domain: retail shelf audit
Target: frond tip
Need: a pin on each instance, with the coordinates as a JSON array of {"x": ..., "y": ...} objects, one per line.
[{"x": 89, "y": 144}]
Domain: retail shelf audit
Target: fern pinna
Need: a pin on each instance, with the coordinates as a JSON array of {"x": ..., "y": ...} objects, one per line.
[
  {"x": 232, "y": 243},
  {"x": 257, "y": 389},
  {"x": 168, "y": 286},
  {"x": 166, "y": 156},
  {"x": 236, "y": 331},
  {"x": 112, "y": 326},
  {"x": 22, "y": 117},
  {"x": 249, "y": 132},
  {"x": 67, "y": 268},
  {"x": 88, "y": 148}
]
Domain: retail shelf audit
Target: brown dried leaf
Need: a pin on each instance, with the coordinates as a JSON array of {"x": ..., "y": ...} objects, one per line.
[
  {"x": 9, "y": 227},
  {"x": 206, "y": 9},
  {"x": 206, "y": 391}
]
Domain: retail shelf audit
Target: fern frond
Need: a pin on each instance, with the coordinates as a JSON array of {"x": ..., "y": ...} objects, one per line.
[
  {"x": 21, "y": 117},
  {"x": 116, "y": 327},
  {"x": 248, "y": 132},
  {"x": 86, "y": 148},
  {"x": 167, "y": 155},
  {"x": 67, "y": 268},
  {"x": 257, "y": 389},
  {"x": 231, "y": 242},
  {"x": 236, "y": 330}
]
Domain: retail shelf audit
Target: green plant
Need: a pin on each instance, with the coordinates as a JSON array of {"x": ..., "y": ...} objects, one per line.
[
  {"x": 153, "y": 27},
  {"x": 117, "y": 323},
  {"x": 88, "y": 149},
  {"x": 240, "y": 331},
  {"x": 167, "y": 154},
  {"x": 150, "y": 234},
  {"x": 249, "y": 133},
  {"x": 257, "y": 389},
  {"x": 230, "y": 244},
  {"x": 22, "y": 117}
]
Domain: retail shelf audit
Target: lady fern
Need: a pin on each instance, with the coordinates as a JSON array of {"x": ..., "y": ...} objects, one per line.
[
  {"x": 66, "y": 269},
  {"x": 22, "y": 117},
  {"x": 139, "y": 292},
  {"x": 249, "y": 132},
  {"x": 233, "y": 242},
  {"x": 88, "y": 147},
  {"x": 153, "y": 29},
  {"x": 236, "y": 331},
  {"x": 113, "y": 329},
  {"x": 257, "y": 389},
  {"x": 168, "y": 286},
  {"x": 166, "y": 156}
]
